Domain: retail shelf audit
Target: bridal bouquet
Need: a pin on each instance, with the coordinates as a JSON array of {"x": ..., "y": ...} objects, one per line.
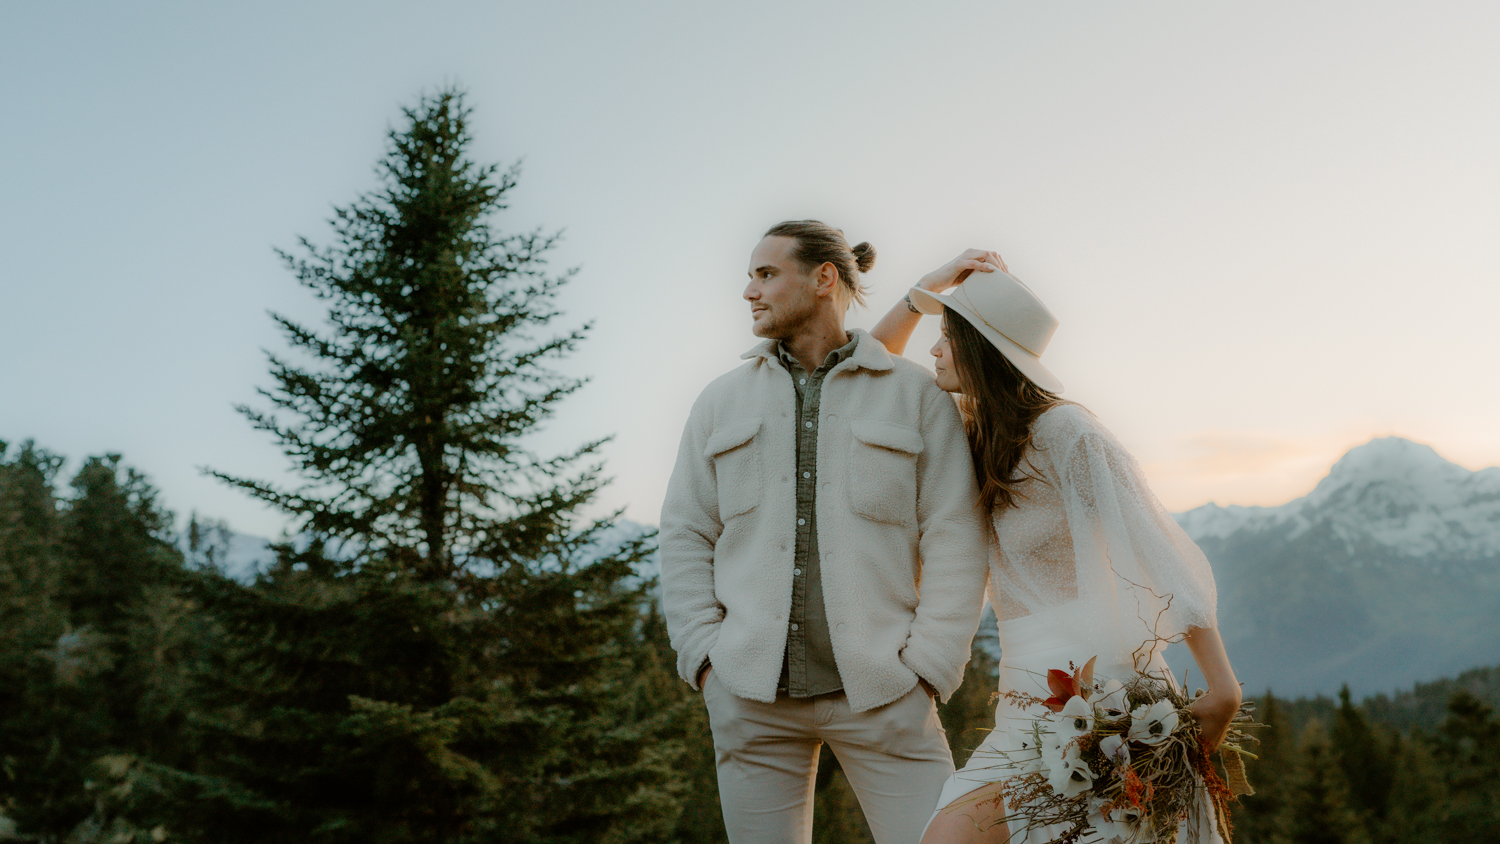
[{"x": 1123, "y": 760}]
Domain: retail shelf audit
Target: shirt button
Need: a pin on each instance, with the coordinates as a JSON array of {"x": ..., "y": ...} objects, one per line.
[
  {"x": 794, "y": 625},
  {"x": 801, "y": 380},
  {"x": 808, "y": 424},
  {"x": 833, "y": 417},
  {"x": 807, "y": 474},
  {"x": 796, "y": 572},
  {"x": 802, "y": 521}
]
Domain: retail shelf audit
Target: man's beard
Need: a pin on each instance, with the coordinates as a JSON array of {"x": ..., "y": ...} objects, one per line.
[{"x": 784, "y": 324}]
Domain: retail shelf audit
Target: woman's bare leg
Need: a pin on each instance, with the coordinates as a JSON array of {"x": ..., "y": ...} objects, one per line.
[{"x": 975, "y": 818}]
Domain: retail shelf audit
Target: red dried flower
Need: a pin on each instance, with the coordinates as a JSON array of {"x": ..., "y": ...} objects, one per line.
[{"x": 1065, "y": 686}]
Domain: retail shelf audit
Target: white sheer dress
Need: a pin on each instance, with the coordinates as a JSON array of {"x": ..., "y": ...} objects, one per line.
[{"x": 1088, "y": 564}]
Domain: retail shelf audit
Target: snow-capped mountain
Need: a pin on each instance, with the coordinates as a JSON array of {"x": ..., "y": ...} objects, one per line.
[
  {"x": 1387, "y": 573},
  {"x": 1392, "y": 494}
]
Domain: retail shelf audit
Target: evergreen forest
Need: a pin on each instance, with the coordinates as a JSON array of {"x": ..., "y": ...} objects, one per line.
[{"x": 443, "y": 649}]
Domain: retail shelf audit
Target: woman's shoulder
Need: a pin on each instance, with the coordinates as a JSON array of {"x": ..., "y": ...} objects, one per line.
[
  {"x": 1064, "y": 424},
  {"x": 1070, "y": 432}
]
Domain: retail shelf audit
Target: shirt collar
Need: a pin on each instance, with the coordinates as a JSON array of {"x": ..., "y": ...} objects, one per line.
[
  {"x": 867, "y": 352},
  {"x": 838, "y": 355}
]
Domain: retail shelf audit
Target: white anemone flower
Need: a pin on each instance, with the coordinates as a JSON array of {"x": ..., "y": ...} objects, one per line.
[
  {"x": 1110, "y": 703},
  {"x": 1068, "y": 774},
  {"x": 1153, "y": 724},
  {"x": 1058, "y": 752},
  {"x": 1062, "y": 762},
  {"x": 1118, "y": 825},
  {"x": 1076, "y": 718},
  {"x": 1115, "y": 749}
]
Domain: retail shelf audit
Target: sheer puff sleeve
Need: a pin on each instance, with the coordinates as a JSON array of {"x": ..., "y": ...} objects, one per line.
[{"x": 1129, "y": 551}]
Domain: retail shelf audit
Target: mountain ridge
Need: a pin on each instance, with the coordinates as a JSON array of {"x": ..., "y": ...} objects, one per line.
[
  {"x": 1404, "y": 494},
  {"x": 1386, "y": 574}
]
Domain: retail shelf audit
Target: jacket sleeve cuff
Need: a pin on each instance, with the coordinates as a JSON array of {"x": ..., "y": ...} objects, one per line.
[
  {"x": 930, "y": 667},
  {"x": 691, "y": 659}
]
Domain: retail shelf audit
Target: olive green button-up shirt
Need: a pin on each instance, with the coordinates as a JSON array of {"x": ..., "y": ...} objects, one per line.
[{"x": 809, "y": 668}]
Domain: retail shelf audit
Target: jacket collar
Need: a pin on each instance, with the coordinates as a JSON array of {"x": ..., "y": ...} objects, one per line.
[{"x": 869, "y": 353}]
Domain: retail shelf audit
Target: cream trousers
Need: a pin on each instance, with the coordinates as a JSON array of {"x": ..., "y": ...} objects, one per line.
[{"x": 895, "y": 756}]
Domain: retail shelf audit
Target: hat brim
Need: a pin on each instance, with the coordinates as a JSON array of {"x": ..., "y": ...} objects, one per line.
[{"x": 1029, "y": 364}]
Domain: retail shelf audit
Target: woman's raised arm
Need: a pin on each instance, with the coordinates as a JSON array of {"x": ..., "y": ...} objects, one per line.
[{"x": 895, "y": 328}]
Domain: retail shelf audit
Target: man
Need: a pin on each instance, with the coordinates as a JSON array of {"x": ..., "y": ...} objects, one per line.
[{"x": 823, "y": 558}]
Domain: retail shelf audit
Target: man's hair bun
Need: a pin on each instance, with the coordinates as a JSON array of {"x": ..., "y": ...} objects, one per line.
[{"x": 864, "y": 256}]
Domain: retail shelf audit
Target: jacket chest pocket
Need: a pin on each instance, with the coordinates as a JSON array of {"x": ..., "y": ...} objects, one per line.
[
  {"x": 883, "y": 471},
  {"x": 737, "y": 467}
]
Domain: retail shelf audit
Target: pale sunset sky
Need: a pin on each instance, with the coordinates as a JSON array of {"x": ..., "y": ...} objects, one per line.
[{"x": 1268, "y": 230}]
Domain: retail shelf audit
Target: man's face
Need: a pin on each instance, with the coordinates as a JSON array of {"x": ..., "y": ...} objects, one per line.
[{"x": 782, "y": 296}]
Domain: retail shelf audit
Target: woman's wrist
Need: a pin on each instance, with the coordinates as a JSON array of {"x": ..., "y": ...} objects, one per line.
[{"x": 1223, "y": 698}]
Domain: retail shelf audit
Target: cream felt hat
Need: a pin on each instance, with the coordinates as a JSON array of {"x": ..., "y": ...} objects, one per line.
[{"x": 1007, "y": 313}]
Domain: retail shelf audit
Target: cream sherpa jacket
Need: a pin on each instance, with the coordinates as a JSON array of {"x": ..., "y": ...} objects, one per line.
[{"x": 900, "y": 536}]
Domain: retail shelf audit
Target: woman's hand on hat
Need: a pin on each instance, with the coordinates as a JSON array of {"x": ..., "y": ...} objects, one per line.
[{"x": 955, "y": 271}]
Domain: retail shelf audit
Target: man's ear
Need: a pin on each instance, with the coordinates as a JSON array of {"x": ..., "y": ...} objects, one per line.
[{"x": 826, "y": 280}]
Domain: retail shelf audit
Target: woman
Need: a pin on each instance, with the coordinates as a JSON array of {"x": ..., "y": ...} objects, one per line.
[{"x": 1084, "y": 560}]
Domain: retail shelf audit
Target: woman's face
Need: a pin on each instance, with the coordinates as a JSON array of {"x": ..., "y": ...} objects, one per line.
[{"x": 943, "y": 364}]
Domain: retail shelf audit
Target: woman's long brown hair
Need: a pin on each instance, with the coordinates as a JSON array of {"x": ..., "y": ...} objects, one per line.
[{"x": 999, "y": 405}]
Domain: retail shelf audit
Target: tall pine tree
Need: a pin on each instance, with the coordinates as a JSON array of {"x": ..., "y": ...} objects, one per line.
[
  {"x": 1365, "y": 759},
  {"x": 94, "y": 666},
  {"x": 449, "y": 651},
  {"x": 1319, "y": 809},
  {"x": 1468, "y": 748},
  {"x": 1417, "y": 795},
  {"x": 33, "y": 619},
  {"x": 1259, "y": 817}
]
